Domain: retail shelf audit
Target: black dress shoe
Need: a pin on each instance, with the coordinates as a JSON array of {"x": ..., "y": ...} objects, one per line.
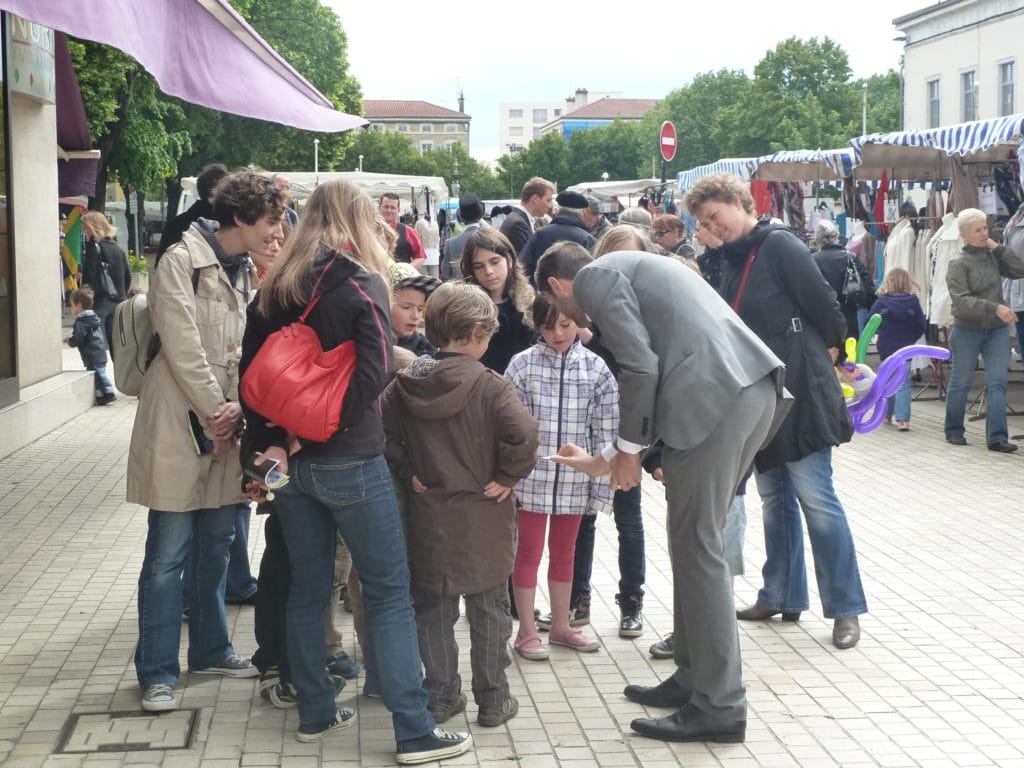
[
  {"x": 956, "y": 439},
  {"x": 1002, "y": 447},
  {"x": 691, "y": 724},
  {"x": 666, "y": 694},
  {"x": 758, "y": 612},
  {"x": 846, "y": 633}
]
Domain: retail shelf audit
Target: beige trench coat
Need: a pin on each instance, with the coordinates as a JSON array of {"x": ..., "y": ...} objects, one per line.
[{"x": 197, "y": 369}]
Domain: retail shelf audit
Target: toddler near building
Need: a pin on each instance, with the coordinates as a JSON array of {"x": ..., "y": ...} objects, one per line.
[
  {"x": 88, "y": 337},
  {"x": 457, "y": 432},
  {"x": 575, "y": 398}
]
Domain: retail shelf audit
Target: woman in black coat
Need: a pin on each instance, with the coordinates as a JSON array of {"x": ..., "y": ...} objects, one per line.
[
  {"x": 833, "y": 260},
  {"x": 773, "y": 284},
  {"x": 103, "y": 254}
]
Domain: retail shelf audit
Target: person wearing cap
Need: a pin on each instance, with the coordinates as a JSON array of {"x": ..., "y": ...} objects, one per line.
[
  {"x": 409, "y": 296},
  {"x": 535, "y": 201},
  {"x": 832, "y": 260},
  {"x": 471, "y": 211},
  {"x": 567, "y": 225},
  {"x": 669, "y": 232},
  {"x": 594, "y": 219}
]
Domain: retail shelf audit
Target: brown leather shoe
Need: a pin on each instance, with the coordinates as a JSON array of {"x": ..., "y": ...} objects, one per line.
[
  {"x": 758, "y": 612},
  {"x": 846, "y": 633}
]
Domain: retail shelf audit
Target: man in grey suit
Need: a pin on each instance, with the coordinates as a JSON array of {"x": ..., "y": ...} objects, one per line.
[
  {"x": 471, "y": 210},
  {"x": 695, "y": 376}
]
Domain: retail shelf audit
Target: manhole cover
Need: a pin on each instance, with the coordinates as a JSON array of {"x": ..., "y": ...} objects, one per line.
[{"x": 127, "y": 731}]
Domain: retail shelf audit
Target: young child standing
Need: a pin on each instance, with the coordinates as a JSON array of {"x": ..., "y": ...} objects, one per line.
[
  {"x": 575, "y": 398},
  {"x": 459, "y": 434},
  {"x": 88, "y": 336},
  {"x": 903, "y": 323}
]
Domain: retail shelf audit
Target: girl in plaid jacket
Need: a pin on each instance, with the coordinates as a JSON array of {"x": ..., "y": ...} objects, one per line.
[{"x": 574, "y": 396}]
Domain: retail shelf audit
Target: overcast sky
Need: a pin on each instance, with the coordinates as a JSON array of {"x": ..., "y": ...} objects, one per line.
[{"x": 522, "y": 51}]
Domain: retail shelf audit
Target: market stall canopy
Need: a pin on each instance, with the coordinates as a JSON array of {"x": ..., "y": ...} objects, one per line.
[
  {"x": 739, "y": 166},
  {"x": 201, "y": 51},
  {"x": 805, "y": 165},
  {"x": 608, "y": 189},
  {"x": 413, "y": 190}
]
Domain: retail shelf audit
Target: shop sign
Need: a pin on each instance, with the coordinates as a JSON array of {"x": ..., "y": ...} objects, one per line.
[{"x": 30, "y": 64}]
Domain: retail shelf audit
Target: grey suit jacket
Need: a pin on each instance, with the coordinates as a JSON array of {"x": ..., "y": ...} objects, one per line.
[
  {"x": 684, "y": 354},
  {"x": 453, "y": 248}
]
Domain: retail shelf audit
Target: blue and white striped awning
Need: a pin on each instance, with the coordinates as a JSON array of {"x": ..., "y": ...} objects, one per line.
[
  {"x": 743, "y": 167},
  {"x": 806, "y": 165}
]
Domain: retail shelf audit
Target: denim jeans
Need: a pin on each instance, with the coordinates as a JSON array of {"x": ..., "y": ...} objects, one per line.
[
  {"x": 632, "y": 563},
  {"x": 807, "y": 484},
  {"x": 101, "y": 383},
  {"x": 1020, "y": 335},
  {"x": 994, "y": 347},
  {"x": 170, "y": 550},
  {"x": 241, "y": 584},
  {"x": 898, "y": 406},
  {"x": 353, "y": 496}
]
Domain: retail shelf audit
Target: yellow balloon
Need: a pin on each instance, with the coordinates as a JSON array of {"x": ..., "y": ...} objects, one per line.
[{"x": 851, "y": 349}]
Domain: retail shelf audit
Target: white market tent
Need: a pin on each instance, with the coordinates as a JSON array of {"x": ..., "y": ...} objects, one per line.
[
  {"x": 604, "y": 190},
  {"x": 424, "y": 192}
]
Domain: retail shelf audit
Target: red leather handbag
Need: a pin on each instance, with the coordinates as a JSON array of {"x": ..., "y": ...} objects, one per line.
[{"x": 293, "y": 382}]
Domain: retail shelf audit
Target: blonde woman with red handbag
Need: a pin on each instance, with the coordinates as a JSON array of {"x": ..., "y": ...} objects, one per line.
[{"x": 331, "y": 269}]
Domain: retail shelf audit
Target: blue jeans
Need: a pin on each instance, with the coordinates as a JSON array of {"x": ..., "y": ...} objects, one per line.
[
  {"x": 632, "y": 563},
  {"x": 241, "y": 584},
  {"x": 898, "y": 406},
  {"x": 355, "y": 496},
  {"x": 994, "y": 347},
  {"x": 785, "y": 490},
  {"x": 101, "y": 381},
  {"x": 169, "y": 550}
]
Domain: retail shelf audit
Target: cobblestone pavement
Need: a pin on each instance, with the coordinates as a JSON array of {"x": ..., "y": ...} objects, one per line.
[{"x": 935, "y": 681}]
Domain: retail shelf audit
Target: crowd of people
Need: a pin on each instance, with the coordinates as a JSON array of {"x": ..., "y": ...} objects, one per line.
[{"x": 510, "y": 385}]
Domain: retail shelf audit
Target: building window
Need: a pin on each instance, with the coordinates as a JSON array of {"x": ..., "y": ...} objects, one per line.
[
  {"x": 449, "y": 144},
  {"x": 451, "y": 128},
  {"x": 403, "y": 128},
  {"x": 376, "y": 127},
  {"x": 536, "y": 132},
  {"x": 426, "y": 146},
  {"x": 515, "y": 130},
  {"x": 1007, "y": 86},
  {"x": 969, "y": 88},
  {"x": 933, "y": 104},
  {"x": 540, "y": 115},
  {"x": 515, "y": 114},
  {"x": 558, "y": 113},
  {"x": 426, "y": 128}
]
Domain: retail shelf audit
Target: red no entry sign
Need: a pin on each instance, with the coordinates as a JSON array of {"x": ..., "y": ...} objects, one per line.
[{"x": 667, "y": 141}]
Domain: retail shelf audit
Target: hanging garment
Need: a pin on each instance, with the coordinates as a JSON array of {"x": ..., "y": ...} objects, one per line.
[{"x": 944, "y": 247}]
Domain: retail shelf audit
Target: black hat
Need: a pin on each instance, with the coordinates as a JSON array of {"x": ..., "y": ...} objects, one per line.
[
  {"x": 470, "y": 208},
  {"x": 569, "y": 199}
]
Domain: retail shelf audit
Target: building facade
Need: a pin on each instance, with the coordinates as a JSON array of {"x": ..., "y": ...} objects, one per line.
[
  {"x": 427, "y": 126},
  {"x": 598, "y": 113},
  {"x": 960, "y": 62},
  {"x": 520, "y": 122}
]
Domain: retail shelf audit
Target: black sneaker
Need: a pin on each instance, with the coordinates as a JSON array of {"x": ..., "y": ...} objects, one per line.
[
  {"x": 439, "y": 744},
  {"x": 284, "y": 696},
  {"x": 663, "y": 649},
  {"x": 106, "y": 399},
  {"x": 343, "y": 718},
  {"x": 443, "y": 713},
  {"x": 631, "y": 623},
  {"x": 579, "y": 614},
  {"x": 269, "y": 680},
  {"x": 341, "y": 664}
]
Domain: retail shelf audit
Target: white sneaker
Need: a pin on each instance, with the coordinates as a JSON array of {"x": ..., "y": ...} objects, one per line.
[
  {"x": 159, "y": 698},
  {"x": 903, "y": 426}
]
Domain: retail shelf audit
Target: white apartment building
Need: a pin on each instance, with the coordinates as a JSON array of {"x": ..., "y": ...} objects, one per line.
[
  {"x": 520, "y": 122},
  {"x": 961, "y": 61}
]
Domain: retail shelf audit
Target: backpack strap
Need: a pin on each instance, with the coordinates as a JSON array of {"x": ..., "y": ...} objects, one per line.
[{"x": 154, "y": 341}]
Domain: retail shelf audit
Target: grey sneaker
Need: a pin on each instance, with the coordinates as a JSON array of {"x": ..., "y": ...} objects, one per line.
[
  {"x": 663, "y": 649},
  {"x": 442, "y": 713},
  {"x": 490, "y": 717},
  {"x": 230, "y": 666},
  {"x": 343, "y": 718},
  {"x": 159, "y": 698}
]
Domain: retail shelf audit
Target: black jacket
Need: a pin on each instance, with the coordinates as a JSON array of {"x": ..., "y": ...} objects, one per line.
[
  {"x": 117, "y": 263},
  {"x": 176, "y": 227},
  {"x": 791, "y": 308},
  {"x": 418, "y": 344},
  {"x": 88, "y": 336},
  {"x": 832, "y": 260},
  {"x": 355, "y": 304},
  {"x": 565, "y": 226},
  {"x": 710, "y": 263},
  {"x": 516, "y": 227},
  {"x": 513, "y": 336}
]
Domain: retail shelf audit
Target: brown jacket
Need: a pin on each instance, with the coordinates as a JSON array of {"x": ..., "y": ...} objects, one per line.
[{"x": 457, "y": 426}]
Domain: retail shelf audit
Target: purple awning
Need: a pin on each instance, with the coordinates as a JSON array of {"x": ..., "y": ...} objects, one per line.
[
  {"x": 201, "y": 51},
  {"x": 75, "y": 176}
]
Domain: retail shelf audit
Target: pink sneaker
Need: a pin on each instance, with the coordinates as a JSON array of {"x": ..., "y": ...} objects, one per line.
[
  {"x": 531, "y": 647},
  {"x": 903, "y": 426},
  {"x": 576, "y": 640}
]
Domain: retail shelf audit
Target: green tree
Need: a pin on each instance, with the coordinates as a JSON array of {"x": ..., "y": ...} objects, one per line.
[
  {"x": 546, "y": 157},
  {"x": 473, "y": 175},
  {"x": 885, "y": 97},
  {"x": 801, "y": 98},
  {"x": 382, "y": 152},
  {"x": 614, "y": 149},
  {"x": 694, "y": 110}
]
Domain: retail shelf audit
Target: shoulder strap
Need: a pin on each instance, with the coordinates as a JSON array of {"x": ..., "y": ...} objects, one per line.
[{"x": 743, "y": 280}]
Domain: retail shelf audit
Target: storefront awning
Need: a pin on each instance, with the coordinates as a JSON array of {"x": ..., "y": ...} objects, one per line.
[
  {"x": 201, "y": 51},
  {"x": 743, "y": 167}
]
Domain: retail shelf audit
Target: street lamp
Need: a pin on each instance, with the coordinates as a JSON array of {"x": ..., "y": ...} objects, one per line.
[
  {"x": 455, "y": 178},
  {"x": 360, "y": 163},
  {"x": 864, "y": 113},
  {"x": 316, "y": 162}
]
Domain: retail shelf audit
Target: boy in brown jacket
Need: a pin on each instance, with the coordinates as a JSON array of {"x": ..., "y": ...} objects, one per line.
[{"x": 459, "y": 434}]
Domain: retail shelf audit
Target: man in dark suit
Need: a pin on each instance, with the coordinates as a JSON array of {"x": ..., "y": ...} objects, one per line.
[
  {"x": 207, "y": 179},
  {"x": 692, "y": 374},
  {"x": 471, "y": 210},
  {"x": 534, "y": 201},
  {"x": 568, "y": 225}
]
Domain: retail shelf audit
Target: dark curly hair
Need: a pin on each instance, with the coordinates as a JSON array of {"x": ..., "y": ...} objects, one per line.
[{"x": 249, "y": 197}]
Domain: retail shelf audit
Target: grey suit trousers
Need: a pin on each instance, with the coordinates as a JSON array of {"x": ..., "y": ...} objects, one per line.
[{"x": 701, "y": 483}]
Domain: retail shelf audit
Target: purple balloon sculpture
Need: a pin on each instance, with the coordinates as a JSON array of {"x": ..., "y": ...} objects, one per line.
[{"x": 869, "y": 412}]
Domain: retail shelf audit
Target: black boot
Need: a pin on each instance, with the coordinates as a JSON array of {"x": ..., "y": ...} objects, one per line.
[{"x": 631, "y": 623}]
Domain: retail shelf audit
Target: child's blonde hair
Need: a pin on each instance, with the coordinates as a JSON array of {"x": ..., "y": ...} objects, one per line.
[
  {"x": 455, "y": 309},
  {"x": 897, "y": 280}
]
